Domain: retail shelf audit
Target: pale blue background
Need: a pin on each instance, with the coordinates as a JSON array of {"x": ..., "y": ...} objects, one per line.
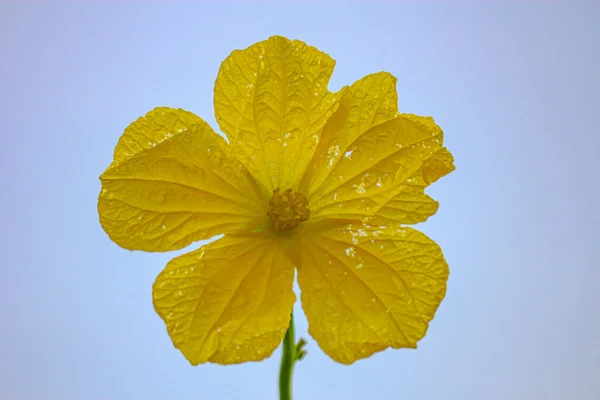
[{"x": 514, "y": 86}]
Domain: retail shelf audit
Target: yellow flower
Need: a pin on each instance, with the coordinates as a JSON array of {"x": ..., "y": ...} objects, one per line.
[{"x": 310, "y": 180}]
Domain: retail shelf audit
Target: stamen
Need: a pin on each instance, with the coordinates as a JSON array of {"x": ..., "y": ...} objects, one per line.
[{"x": 288, "y": 209}]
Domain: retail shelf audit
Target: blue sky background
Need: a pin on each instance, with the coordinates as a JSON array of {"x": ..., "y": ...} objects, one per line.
[{"x": 516, "y": 89}]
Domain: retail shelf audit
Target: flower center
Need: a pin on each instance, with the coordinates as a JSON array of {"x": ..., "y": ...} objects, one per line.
[{"x": 288, "y": 209}]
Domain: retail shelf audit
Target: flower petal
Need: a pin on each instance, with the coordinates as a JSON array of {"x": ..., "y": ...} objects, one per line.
[
  {"x": 367, "y": 289},
  {"x": 172, "y": 183},
  {"x": 411, "y": 205},
  {"x": 229, "y": 301},
  {"x": 366, "y": 175},
  {"x": 440, "y": 164},
  {"x": 368, "y": 102},
  {"x": 272, "y": 101}
]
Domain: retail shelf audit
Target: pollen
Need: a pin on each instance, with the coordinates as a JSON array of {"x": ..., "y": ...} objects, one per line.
[{"x": 288, "y": 209}]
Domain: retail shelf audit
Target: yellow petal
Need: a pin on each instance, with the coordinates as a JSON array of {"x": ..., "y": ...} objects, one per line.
[
  {"x": 366, "y": 289},
  {"x": 227, "y": 302},
  {"x": 172, "y": 183},
  {"x": 411, "y": 205},
  {"x": 370, "y": 172},
  {"x": 155, "y": 127},
  {"x": 368, "y": 102},
  {"x": 272, "y": 101},
  {"x": 440, "y": 164}
]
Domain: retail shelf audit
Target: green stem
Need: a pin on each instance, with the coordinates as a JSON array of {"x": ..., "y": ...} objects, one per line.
[{"x": 288, "y": 358}]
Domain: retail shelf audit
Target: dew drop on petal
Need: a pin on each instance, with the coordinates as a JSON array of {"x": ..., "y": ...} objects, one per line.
[
  {"x": 350, "y": 252},
  {"x": 360, "y": 189}
]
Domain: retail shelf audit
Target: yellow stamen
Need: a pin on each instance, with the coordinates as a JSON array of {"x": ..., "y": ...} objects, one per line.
[{"x": 288, "y": 210}]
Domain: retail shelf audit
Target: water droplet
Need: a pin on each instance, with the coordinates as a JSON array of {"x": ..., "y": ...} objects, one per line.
[
  {"x": 287, "y": 135},
  {"x": 219, "y": 329},
  {"x": 350, "y": 252},
  {"x": 333, "y": 152},
  {"x": 360, "y": 189},
  {"x": 163, "y": 227},
  {"x": 348, "y": 154},
  {"x": 359, "y": 266}
]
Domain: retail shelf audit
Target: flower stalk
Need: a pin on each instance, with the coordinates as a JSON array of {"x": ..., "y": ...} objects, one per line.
[{"x": 291, "y": 352}]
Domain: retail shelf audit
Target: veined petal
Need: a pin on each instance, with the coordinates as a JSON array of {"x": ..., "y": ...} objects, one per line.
[
  {"x": 365, "y": 289},
  {"x": 373, "y": 168},
  {"x": 272, "y": 101},
  {"x": 172, "y": 183},
  {"x": 368, "y": 102},
  {"x": 367, "y": 105},
  {"x": 411, "y": 205},
  {"x": 229, "y": 301},
  {"x": 440, "y": 164}
]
